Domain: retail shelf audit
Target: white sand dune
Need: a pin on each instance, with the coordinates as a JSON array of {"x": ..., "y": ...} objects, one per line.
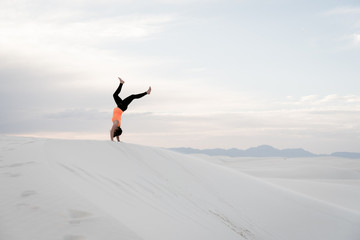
[
  {"x": 329, "y": 179},
  {"x": 77, "y": 190}
]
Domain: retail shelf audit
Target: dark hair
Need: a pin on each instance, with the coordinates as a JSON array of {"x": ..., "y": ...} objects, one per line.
[{"x": 117, "y": 132}]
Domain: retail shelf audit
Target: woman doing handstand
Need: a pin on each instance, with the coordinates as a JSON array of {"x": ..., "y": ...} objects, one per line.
[{"x": 122, "y": 105}]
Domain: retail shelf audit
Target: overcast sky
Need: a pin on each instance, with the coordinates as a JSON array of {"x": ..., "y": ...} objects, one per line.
[{"x": 224, "y": 73}]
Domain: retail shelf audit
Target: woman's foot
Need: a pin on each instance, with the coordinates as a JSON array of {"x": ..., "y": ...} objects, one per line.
[
  {"x": 148, "y": 91},
  {"x": 121, "y": 81}
]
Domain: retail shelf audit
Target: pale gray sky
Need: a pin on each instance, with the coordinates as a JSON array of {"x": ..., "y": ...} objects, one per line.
[{"x": 234, "y": 73}]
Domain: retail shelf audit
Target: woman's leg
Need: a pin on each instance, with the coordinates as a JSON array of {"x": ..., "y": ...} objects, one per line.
[
  {"x": 125, "y": 103},
  {"x": 116, "y": 97}
]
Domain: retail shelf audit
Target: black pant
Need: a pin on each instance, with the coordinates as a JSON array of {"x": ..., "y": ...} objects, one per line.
[{"x": 123, "y": 104}]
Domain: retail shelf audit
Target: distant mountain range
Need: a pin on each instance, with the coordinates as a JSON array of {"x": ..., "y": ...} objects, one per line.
[{"x": 263, "y": 151}]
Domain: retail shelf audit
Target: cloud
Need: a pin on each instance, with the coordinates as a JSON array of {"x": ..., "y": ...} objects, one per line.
[
  {"x": 356, "y": 38},
  {"x": 54, "y": 33},
  {"x": 309, "y": 98},
  {"x": 332, "y": 101},
  {"x": 72, "y": 45},
  {"x": 79, "y": 114},
  {"x": 344, "y": 11},
  {"x": 68, "y": 120},
  {"x": 39, "y": 31}
]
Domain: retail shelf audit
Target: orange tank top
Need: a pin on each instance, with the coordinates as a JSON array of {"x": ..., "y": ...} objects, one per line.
[{"x": 117, "y": 115}]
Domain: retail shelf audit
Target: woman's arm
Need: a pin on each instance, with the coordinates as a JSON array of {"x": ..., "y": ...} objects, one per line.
[{"x": 112, "y": 130}]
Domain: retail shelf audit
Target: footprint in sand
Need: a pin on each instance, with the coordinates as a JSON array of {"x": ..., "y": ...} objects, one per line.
[
  {"x": 14, "y": 165},
  {"x": 74, "y": 237},
  {"x": 78, "y": 215},
  {"x": 28, "y": 193},
  {"x": 27, "y": 206},
  {"x": 8, "y": 174}
]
